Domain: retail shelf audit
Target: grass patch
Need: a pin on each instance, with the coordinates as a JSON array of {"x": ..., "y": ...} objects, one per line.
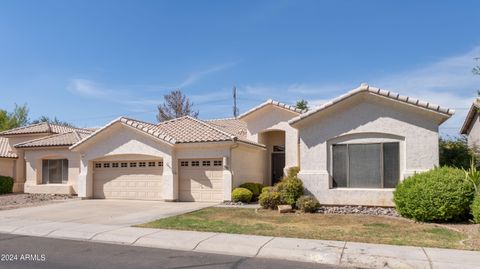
[{"x": 358, "y": 228}]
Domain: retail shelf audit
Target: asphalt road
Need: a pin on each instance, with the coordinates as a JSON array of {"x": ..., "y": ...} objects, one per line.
[{"x": 18, "y": 251}]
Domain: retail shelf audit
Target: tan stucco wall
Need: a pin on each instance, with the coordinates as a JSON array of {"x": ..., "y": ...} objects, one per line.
[
  {"x": 33, "y": 159},
  {"x": 365, "y": 119},
  {"x": 474, "y": 133},
  {"x": 272, "y": 118},
  {"x": 248, "y": 165},
  {"x": 20, "y": 170},
  {"x": 7, "y": 167},
  {"x": 123, "y": 142}
]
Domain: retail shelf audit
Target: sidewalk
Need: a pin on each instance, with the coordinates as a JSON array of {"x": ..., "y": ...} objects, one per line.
[{"x": 304, "y": 250}]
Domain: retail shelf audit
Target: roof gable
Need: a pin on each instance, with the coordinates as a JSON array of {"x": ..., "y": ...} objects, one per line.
[
  {"x": 366, "y": 89},
  {"x": 56, "y": 140},
  {"x": 271, "y": 102},
  {"x": 5, "y": 150},
  {"x": 472, "y": 112}
]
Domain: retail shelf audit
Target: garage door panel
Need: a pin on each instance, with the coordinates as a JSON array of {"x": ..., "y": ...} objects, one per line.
[
  {"x": 202, "y": 182},
  {"x": 141, "y": 183}
]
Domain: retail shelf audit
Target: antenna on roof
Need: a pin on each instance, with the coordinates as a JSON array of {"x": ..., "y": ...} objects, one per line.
[{"x": 235, "y": 108}]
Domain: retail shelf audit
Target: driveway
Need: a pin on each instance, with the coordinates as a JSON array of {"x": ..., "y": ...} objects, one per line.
[{"x": 107, "y": 212}]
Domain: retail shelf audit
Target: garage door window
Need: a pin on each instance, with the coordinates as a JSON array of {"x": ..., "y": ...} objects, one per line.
[
  {"x": 133, "y": 164},
  {"x": 205, "y": 163},
  {"x": 217, "y": 163},
  {"x": 195, "y": 163},
  {"x": 55, "y": 171}
]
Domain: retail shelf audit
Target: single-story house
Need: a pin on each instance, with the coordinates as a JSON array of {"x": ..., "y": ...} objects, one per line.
[
  {"x": 352, "y": 150},
  {"x": 471, "y": 125}
]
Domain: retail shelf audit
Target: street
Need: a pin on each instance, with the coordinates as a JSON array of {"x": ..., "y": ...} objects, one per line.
[{"x": 36, "y": 252}]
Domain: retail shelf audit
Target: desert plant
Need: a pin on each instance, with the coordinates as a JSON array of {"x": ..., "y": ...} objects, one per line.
[
  {"x": 6, "y": 184},
  {"x": 241, "y": 195},
  {"x": 439, "y": 195},
  {"x": 293, "y": 171},
  {"x": 472, "y": 175},
  {"x": 476, "y": 208},
  {"x": 455, "y": 152},
  {"x": 270, "y": 199},
  {"x": 267, "y": 188},
  {"x": 308, "y": 204}
]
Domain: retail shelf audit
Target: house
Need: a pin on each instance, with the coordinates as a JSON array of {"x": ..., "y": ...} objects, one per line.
[
  {"x": 352, "y": 150},
  {"x": 471, "y": 125}
]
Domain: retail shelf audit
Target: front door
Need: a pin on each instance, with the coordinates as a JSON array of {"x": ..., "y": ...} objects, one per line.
[{"x": 278, "y": 163}]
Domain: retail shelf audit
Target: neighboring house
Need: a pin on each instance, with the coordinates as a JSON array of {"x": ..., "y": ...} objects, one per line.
[
  {"x": 352, "y": 150},
  {"x": 471, "y": 125}
]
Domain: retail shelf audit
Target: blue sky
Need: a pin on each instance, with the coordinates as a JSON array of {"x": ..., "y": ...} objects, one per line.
[{"x": 89, "y": 62}]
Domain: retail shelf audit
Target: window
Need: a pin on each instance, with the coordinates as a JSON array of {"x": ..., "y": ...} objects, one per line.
[
  {"x": 217, "y": 163},
  {"x": 98, "y": 165},
  {"x": 141, "y": 164},
  {"x": 123, "y": 165},
  {"x": 366, "y": 165},
  {"x": 151, "y": 164},
  {"x": 205, "y": 163},
  {"x": 161, "y": 163},
  {"x": 55, "y": 171},
  {"x": 195, "y": 163},
  {"x": 106, "y": 165},
  {"x": 115, "y": 165},
  {"x": 133, "y": 164},
  {"x": 183, "y": 163}
]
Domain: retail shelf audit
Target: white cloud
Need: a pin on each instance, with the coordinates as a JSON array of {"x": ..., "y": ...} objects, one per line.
[
  {"x": 195, "y": 76},
  {"x": 86, "y": 88}
]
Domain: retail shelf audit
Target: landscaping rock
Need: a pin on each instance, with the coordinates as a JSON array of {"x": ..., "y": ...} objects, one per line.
[
  {"x": 233, "y": 203},
  {"x": 362, "y": 210},
  {"x": 284, "y": 208},
  {"x": 17, "y": 200}
]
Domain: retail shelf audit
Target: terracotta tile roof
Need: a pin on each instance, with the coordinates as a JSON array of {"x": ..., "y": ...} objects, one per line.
[
  {"x": 470, "y": 116},
  {"x": 40, "y": 128},
  {"x": 56, "y": 140},
  {"x": 230, "y": 125},
  {"x": 5, "y": 150},
  {"x": 177, "y": 131},
  {"x": 274, "y": 103},
  {"x": 365, "y": 88}
]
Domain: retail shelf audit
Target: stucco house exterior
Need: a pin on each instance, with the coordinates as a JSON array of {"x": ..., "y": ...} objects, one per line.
[
  {"x": 352, "y": 150},
  {"x": 471, "y": 125}
]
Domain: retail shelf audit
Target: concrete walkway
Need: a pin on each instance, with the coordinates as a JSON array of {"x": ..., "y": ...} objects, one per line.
[{"x": 316, "y": 251}]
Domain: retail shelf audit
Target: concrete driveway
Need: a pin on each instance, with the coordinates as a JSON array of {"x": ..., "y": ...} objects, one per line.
[{"x": 107, "y": 212}]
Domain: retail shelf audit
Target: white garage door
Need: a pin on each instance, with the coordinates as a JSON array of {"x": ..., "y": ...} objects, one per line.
[
  {"x": 200, "y": 180},
  {"x": 140, "y": 180}
]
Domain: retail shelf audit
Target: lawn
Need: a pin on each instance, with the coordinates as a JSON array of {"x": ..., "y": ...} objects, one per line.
[{"x": 358, "y": 228}]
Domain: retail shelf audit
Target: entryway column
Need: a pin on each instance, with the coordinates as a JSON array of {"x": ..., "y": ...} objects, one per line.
[
  {"x": 227, "y": 181},
  {"x": 85, "y": 180},
  {"x": 170, "y": 180}
]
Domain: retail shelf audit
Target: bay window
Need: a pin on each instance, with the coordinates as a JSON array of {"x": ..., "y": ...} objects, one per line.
[
  {"x": 374, "y": 165},
  {"x": 54, "y": 171}
]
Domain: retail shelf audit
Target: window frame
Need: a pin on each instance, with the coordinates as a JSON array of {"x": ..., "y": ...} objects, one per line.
[
  {"x": 64, "y": 180},
  {"x": 382, "y": 163}
]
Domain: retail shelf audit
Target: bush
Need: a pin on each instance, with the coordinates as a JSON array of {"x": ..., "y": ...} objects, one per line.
[
  {"x": 264, "y": 189},
  {"x": 293, "y": 171},
  {"x": 6, "y": 184},
  {"x": 255, "y": 188},
  {"x": 290, "y": 189},
  {"x": 476, "y": 208},
  {"x": 308, "y": 204},
  {"x": 454, "y": 152},
  {"x": 242, "y": 195},
  {"x": 270, "y": 199},
  {"x": 439, "y": 195}
]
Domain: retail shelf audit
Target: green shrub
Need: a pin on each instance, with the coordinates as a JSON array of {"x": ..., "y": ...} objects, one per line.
[
  {"x": 242, "y": 195},
  {"x": 267, "y": 188},
  {"x": 270, "y": 199},
  {"x": 455, "y": 152},
  {"x": 308, "y": 204},
  {"x": 255, "y": 188},
  {"x": 476, "y": 208},
  {"x": 6, "y": 184},
  {"x": 290, "y": 189},
  {"x": 293, "y": 171},
  {"x": 439, "y": 195}
]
